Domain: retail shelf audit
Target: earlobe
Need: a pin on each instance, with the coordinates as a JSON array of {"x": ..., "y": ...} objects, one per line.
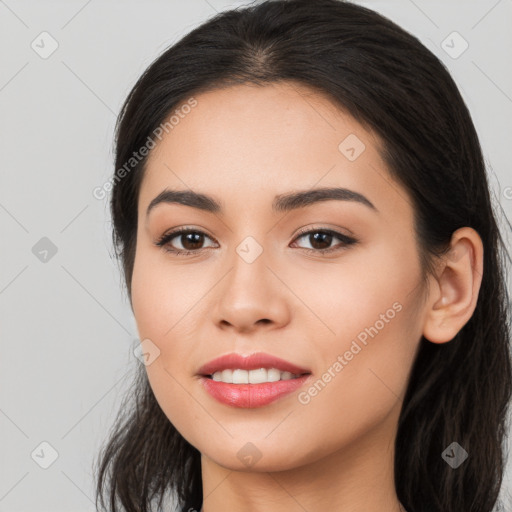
[{"x": 454, "y": 290}]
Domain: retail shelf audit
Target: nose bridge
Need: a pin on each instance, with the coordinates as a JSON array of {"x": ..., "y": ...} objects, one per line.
[
  {"x": 249, "y": 265},
  {"x": 250, "y": 292},
  {"x": 251, "y": 248}
]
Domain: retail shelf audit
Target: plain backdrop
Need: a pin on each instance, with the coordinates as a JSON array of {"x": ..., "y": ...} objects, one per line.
[{"x": 67, "y": 332}]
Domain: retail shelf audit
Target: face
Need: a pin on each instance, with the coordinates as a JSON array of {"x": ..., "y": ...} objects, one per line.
[{"x": 342, "y": 301}]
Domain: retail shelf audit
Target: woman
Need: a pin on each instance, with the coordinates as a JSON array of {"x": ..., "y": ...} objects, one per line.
[{"x": 366, "y": 370}]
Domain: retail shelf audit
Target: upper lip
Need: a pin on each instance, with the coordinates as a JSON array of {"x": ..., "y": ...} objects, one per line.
[{"x": 250, "y": 362}]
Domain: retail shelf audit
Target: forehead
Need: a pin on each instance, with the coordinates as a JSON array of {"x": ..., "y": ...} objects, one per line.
[
  {"x": 254, "y": 141},
  {"x": 273, "y": 119}
]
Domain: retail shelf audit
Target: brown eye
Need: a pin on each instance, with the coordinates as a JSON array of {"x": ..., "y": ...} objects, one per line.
[
  {"x": 191, "y": 241},
  {"x": 321, "y": 239}
]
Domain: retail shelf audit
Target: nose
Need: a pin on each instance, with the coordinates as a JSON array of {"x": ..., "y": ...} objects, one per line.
[{"x": 251, "y": 297}]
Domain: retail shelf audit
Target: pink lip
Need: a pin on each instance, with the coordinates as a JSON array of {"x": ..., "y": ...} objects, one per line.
[
  {"x": 250, "y": 395},
  {"x": 251, "y": 362}
]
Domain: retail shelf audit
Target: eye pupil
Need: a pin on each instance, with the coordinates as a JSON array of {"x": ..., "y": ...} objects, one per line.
[
  {"x": 197, "y": 240},
  {"x": 320, "y": 235}
]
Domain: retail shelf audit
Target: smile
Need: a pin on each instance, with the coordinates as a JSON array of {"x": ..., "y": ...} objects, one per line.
[{"x": 258, "y": 376}]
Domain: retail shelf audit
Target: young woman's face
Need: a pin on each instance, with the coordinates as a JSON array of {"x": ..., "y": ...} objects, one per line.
[{"x": 254, "y": 282}]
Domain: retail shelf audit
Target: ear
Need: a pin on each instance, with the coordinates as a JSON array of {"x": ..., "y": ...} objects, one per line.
[{"x": 453, "y": 292}]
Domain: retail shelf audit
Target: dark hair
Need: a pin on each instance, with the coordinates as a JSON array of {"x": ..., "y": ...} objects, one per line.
[{"x": 391, "y": 84}]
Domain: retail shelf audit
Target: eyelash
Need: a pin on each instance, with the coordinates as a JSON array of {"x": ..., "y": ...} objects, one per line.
[{"x": 167, "y": 237}]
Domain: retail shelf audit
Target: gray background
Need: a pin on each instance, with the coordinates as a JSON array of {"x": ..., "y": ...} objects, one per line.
[{"x": 67, "y": 332}]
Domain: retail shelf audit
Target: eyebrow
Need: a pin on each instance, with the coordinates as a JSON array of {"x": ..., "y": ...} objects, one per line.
[{"x": 281, "y": 203}]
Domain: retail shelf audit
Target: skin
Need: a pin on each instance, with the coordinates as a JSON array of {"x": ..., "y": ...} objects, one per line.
[{"x": 244, "y": 145}]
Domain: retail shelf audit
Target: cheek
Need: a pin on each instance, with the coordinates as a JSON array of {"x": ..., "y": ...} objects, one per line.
[
  {"x": 166, "y": 308},
  {"x": 363, "y": 289},
  {"x": 158, "y": 307},
  {"x": 163, "y": 293},
  {"x": 370, "y": 311},
  {"x": 145, "y": 297},
  {"x": 363, "y": 374}
]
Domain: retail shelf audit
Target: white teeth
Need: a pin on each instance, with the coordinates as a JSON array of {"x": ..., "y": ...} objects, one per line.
[
  {"x": 240, "y": 377},
  {"x": 258, "y": 376},
  {"x": 226, "y": 375},
  {"x": 273, "y": 375}
]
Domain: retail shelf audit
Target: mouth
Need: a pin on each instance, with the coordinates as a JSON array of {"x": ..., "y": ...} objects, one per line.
[
  {"x": 257, "y": 376},
  {"x": 251, "y": 381}
]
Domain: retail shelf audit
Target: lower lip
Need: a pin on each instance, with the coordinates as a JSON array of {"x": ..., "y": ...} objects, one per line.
[{"x": 251, "y": 395}]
